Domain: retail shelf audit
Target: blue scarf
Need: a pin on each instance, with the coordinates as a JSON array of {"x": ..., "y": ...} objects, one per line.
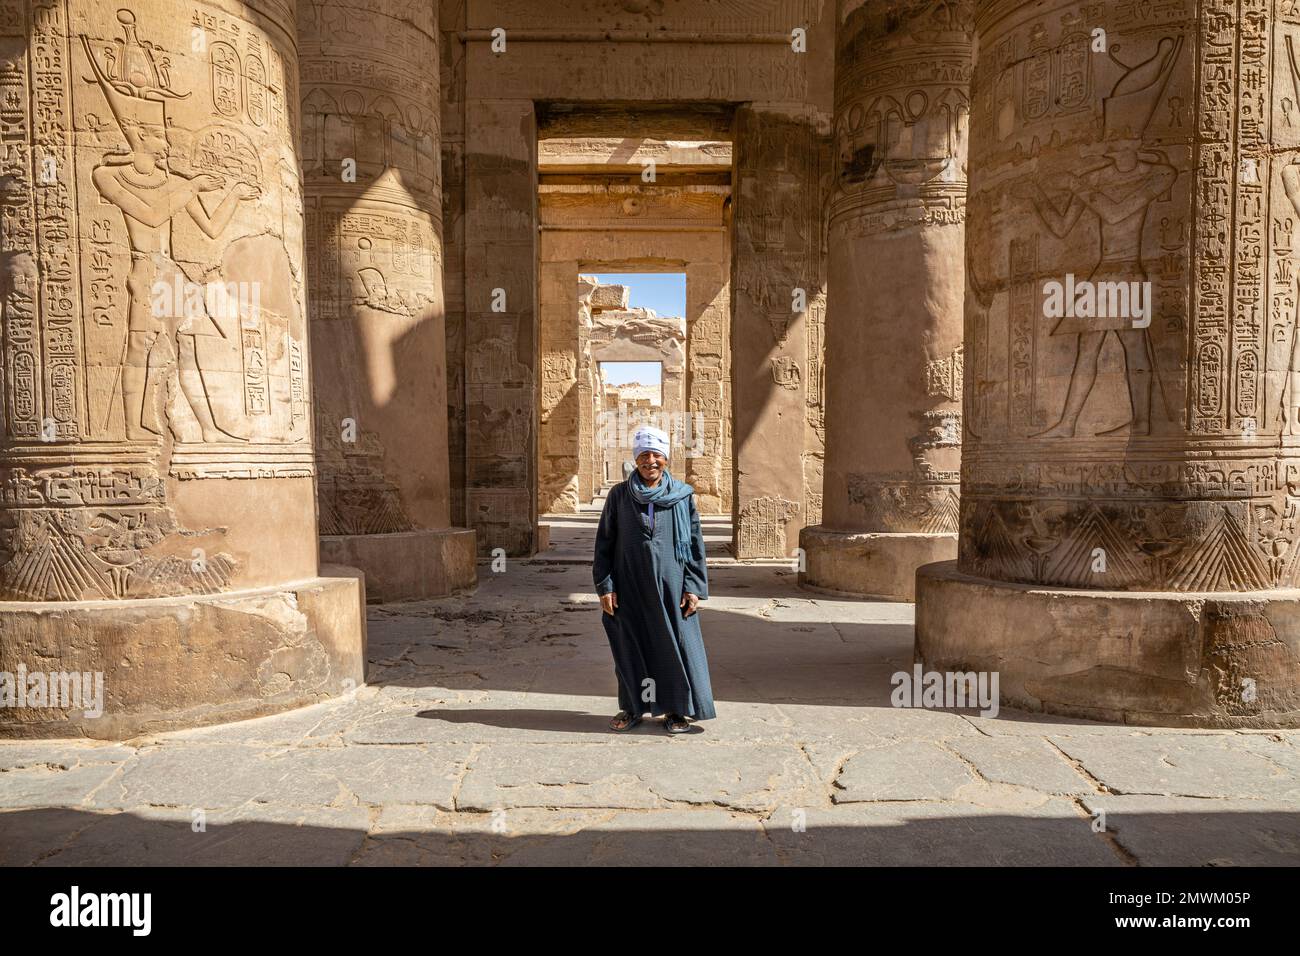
[{"x": 671, "y": 494}]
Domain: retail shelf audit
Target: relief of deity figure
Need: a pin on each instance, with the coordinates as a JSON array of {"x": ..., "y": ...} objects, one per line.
[
  {"x": 150, "y": 196},
  {"x": 1119, "y": 191}
]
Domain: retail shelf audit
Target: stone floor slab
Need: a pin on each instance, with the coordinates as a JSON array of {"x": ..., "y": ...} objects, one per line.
[
  {"x": 261, "y": 836},
  {"x": 221, "y": 777},
  {"x": 1185, "y": 831},
  {"x": 1211, "y": 765},
  {"x": 906, "y": 770},
  {"x": 651, "y": 775},
  {"x": 1023, "y": 762}
]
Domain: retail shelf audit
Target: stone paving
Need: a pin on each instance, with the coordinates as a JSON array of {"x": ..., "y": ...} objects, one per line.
[{"x": 481, "y": 738}]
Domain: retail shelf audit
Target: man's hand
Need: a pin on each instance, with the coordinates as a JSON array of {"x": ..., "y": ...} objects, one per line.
[
  {"x": 207, "y": 182},
  {"x": 690, "y": 603},
  {"x": 609, "y": 602}
]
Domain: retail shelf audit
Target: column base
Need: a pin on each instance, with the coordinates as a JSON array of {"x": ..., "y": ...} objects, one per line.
[
  {"x": 867, "y": 564},
  {"x": 407, "y": 565},
  {"x": 1151, "y": 658},
  {"x": 173, "y": 663}
]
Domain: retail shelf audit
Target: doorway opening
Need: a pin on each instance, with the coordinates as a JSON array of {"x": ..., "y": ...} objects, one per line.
[{"x": 634, "y": 268}]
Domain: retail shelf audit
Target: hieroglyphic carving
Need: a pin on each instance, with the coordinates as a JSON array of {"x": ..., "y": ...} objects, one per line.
[
  {"x": 902, "y": 115},
  {"x": 62, "y": 350},
  {"x": 228, "y": 357},
  {"x": 372, "y": 178},
  {"x": 90, "y": 533},
  {"x": 1022, "y": 332},
  {"x": 785, "y": 372},
  {"x": 368, "y": 96},
  {"x": 904, "y": 503},
  {"x": 21, "y": 405},
  {"x": 123, "y": 204},
  {"x": 1163, "y": 450},
  {"x": 1117, "y": 191},
  {"x": 902, "y": 107},
  {"x": 943, "y": 376},
  {"x": 762, "y": 524},
  {"x": 355, "y": 496}
]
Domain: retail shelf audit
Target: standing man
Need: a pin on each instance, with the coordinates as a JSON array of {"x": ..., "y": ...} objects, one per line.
[{"x": 650, "y": 574}]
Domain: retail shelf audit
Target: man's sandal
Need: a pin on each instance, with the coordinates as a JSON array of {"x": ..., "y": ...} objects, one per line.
[
  {"x": 623, "y": 721},
  {"x": 676, "y": 724}
]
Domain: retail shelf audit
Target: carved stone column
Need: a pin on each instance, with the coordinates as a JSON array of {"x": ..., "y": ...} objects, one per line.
[
  {"x": 501, "y": 327},
  {"x": 778, "y": 281},
  {"x": 894, "y": 298},
  {"x": 372, "y": 169},
  {"x": 708, "y": 381},
  {"x": 157, "y": 504},
  {"x": 1129, "y": 543}
]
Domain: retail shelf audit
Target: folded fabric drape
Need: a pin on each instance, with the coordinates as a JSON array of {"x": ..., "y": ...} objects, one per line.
[{"x": 669, "y": 493}]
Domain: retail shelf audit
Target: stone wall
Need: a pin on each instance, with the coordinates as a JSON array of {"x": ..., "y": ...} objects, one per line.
[
  {"x": 779, "y": 285},
  {"x": 638, "y": 335},
  {"x": 583, "y": 430}
]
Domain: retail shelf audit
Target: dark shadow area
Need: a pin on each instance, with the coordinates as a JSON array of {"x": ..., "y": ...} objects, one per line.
[
  {"x": 751, "y": 659},
  {"x": 786, "y": 654},
  {"x": 899, "y": 835},
  {"x": 524, "y": 718}
]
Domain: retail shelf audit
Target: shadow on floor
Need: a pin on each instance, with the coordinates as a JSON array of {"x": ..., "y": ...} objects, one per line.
[
  {"x": 750, "y": 659},
  {"x": 901, "y": 835}
]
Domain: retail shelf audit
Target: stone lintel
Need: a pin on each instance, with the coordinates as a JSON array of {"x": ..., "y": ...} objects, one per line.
[{"x": 616, "y": 155}]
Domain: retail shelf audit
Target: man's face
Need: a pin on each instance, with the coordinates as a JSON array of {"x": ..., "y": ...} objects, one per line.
[
  {"x": 651, "y": 465},
  {"x": 153, "y": 143}
]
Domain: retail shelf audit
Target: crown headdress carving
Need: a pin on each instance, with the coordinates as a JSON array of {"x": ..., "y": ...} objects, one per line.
[
  {"x": 1127, "y": 112},
  {"x": 134, "y": 78}
]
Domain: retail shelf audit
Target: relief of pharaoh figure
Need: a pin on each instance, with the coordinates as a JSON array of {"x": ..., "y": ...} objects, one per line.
[
  {"x": 1119, "y": 189},
  {"x": 149, "y": 196}
]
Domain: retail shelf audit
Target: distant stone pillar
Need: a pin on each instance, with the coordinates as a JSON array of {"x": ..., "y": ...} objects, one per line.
[
  {"x": 561, "y": 368},
  {"x": 1130, "y": 530},
  {"x": 501, "y": 322},
  {"x": 372, "y": 166},
  {"x": 586, "y": 389},
  {"x": 157, "y": 506},
  {"x": 708, "y": 382},
  {"x": 778, "y": 286},
  {"x": 894, "y": 299}
]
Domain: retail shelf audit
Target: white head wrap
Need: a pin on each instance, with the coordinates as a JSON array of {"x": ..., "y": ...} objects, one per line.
[{"x": 649, "y": 439}]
